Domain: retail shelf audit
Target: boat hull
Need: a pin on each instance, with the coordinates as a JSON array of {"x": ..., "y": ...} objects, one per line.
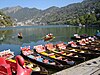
[{"x": 57, "y": 67}]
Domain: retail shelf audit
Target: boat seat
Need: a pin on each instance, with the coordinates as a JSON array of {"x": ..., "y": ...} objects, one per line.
[
  {"x": 21, "y": 70},
  {"x": 4, "y": 67}
]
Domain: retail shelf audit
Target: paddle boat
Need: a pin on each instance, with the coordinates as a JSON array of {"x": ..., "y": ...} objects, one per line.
[
  {"x": 8, "y": 55},
  {"x": 10, "y": 68}
]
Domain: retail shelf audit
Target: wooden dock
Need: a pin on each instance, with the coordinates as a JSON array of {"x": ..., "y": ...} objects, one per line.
[{"x": 91, "y": 67}]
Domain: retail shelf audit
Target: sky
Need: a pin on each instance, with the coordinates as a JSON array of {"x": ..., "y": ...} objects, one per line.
[{"x": 40, "y": 4}]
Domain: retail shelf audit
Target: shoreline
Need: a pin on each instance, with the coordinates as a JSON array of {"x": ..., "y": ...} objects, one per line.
[{"x": 42, "y": 26}]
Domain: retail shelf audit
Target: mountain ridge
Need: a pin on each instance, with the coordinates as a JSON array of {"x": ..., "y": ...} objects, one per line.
[{"x": 55, "y": 15}]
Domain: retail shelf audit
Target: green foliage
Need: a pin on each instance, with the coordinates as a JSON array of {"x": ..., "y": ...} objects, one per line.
[{"x": 5, "y": 20}]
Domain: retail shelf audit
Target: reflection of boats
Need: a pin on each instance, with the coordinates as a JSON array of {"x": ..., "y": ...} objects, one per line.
[
  {"x": 48, "y": 37},
  {"x": 41, "y": 60},
  {"x": 7, "y": 67},
  {"x": 64, "y": 60},
  {"x": 7, "y": 54}
]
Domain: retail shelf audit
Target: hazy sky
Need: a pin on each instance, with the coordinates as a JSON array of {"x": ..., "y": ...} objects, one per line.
[{"x": 40, "y": 4}]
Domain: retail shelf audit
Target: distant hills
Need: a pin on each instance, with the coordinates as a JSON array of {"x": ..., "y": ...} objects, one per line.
[{"x": 86, "y": 13}]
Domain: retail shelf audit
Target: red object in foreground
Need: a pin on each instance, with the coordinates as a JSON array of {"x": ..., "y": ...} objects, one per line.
[
  {"x": 4, "y": 67},
  {"x": 7, "y": 66},
  {"x": 20, "y": 66}
]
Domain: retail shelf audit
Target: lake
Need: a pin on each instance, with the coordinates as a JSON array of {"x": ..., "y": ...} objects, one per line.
[{"x": 32, "y": 35}]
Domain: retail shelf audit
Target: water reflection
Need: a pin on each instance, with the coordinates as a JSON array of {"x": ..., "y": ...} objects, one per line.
[{"x": 33, "y": 35}]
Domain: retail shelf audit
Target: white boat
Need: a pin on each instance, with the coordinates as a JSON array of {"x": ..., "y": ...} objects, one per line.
[{"x": 7, "y": 54}]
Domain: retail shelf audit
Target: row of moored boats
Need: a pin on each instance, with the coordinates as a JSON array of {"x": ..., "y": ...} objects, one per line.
[{"x": 54, "y": 56}]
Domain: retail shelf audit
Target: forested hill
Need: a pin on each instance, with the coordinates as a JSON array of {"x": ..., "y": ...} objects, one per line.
[
  {"x": 87, "y": 13},
  {"x": 5, "y": 20}
]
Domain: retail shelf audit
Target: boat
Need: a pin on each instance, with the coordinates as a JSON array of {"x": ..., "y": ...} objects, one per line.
[
  {"x": 20, "y": 36},
  {"x": 96, "y": 43},
  {"x": 75, "y": 38},
  {"x": 92, "y": 46},
  {"x": 7, "y": 54},
  {"x": 36, "y": 69},
  {"x": 40, "y": 60},
  {"x": 83, "y": 42},
  {"x": 73, "y": 44},
  {"x": 2, "y": 37},
  {"x": 61, "y": 46},
  {"x": 85, "y": 53},
  {"x": 10, "y": 68},
  {"x": 76, "y": 49},
  {"x": 84, "y": 36},
  {"x": 90, "y": 40},
  {"x": 73, "y": 56},
  {"x": 97, "y": 34},
  {"x": 63, "y": 60},
  {"x": 79, "y": 37},
  {"x": 48, "y": 37}
]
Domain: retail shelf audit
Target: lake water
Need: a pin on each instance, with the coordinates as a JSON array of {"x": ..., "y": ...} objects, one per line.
[{"x": 32, "y": 35}]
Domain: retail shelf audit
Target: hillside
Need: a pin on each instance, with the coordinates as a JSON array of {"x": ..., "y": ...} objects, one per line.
[
  {"x": 86, "y": 13},
  {"x": 5, "y": 20}
]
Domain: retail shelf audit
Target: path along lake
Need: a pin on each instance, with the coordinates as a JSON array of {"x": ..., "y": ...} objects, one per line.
[{"x": 32, "y": 35}]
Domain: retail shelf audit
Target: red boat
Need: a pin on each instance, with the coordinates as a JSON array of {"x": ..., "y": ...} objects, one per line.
[
  {"x": 48, "y": 37},
  {"x": 9, "y": 68}
]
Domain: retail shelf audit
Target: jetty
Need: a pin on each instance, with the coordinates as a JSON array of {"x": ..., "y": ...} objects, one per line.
[{"x": 90, "y": 67}]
